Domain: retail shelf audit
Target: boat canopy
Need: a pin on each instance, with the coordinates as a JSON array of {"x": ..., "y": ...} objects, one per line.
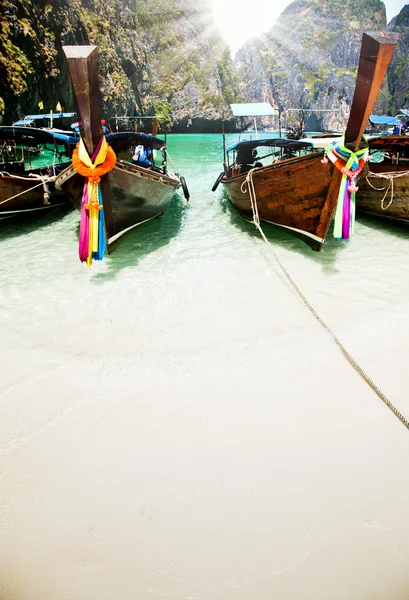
[
  {"x": 252, "y": 109},
  {"x": 123, "y": 140},
  {"x": 405, "y": 112},
  {"x": 23, "y": 122},
  {"x": 384, "y": 120},
  {"x": 31, "y": 136},
  {"x": 272, "y": 142},
  {"x": 29, "y": 119}
]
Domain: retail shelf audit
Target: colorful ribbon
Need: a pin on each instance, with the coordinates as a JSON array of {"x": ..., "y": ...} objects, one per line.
[
  {"x": 92, "y": 240},
  {"x": 350, "y": 164}
]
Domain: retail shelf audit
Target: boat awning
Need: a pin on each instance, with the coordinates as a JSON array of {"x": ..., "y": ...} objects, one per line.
[
  {"x": 30, "y": 136},
  {"x": 272, "y": 142},
  {"x": 384, "y": 120},
  {"x": 29, "y": 119},
  {"x": 123, "y": 140},
  {"x": 23, "y": 122},
  {"x": 405, "y": 112},
  {"x": 253, "y": 109}
]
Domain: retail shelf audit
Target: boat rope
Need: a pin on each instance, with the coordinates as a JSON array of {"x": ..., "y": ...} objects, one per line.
[
  {"x": 168, "y": 156},
  {"x": 248, "y": 185},
  {"x": 389, "y": 177},
  {"x": 44, "y": 180}
]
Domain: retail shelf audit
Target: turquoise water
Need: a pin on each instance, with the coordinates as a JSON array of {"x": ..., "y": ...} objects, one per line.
[
  {"x": 46, "y": 157},
  {"x": 174, "y": 422}
]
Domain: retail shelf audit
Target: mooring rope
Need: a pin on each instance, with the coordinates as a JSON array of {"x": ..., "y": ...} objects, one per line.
[
  {"x": 248, "y": 185},
  {"x": 389, "y": 177},
  {"x": 44, "y": 180}
]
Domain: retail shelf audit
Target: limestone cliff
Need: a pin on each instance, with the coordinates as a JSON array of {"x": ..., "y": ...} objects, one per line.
[
  {"x": 156, "y": 56},
  {"x": 308, "y": 60},
  {"x": 166, "y": 57},
  {"x": 398, "y": 72}
]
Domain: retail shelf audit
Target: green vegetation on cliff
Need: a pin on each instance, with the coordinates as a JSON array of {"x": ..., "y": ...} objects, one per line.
[{"x": 157, "y": 54}]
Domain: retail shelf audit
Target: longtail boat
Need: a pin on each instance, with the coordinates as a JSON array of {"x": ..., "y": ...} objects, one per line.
[
  {"x": 132, "y": 190},
  {"x": 298, "y": 189},
  {"x": 30, "y": 160},
  {"x": 384, "y": 189}
]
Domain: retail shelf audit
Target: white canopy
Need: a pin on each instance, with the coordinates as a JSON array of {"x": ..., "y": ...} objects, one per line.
[{"x": 252, "y": 109}]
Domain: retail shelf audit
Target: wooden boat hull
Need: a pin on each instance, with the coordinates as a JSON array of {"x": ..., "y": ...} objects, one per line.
[
  {"x": 23, "y": 196},
  {"x": 384, "y": 190},
  {"x": 137, "y": 195},
  {"x": 293, "y": 194},
  {"x": 376, "y": 196}
]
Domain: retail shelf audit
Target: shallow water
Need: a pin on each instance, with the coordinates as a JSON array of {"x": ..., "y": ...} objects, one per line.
[{"x": 175, "y": 423}]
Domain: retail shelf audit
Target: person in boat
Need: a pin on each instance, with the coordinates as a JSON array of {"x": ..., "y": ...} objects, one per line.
[
  {"x": 105, "y": 128},
  {"x": 142, "y": 156},
  {"x": 76, "y": 128}
]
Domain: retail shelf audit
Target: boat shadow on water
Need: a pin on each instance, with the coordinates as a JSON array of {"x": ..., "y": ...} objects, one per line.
[
  {"x": 278, "y": 237},
  {"x": 17, "y": 226},
  {"x": 144, "y": 239},
  {"x": 397, "y": 229}
]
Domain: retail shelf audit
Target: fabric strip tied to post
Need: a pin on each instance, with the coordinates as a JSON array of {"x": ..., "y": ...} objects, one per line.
[
  {"x": 92, "y": 242},
  {"x": 350, "y": 164}
]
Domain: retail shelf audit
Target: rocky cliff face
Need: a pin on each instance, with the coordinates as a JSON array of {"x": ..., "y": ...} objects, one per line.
[
  {"x": 156, "y": 56},
  {"x": 398, "y": 72},
  {"x": 166, "y": 57},
  {"x": 308, "y": 60}
]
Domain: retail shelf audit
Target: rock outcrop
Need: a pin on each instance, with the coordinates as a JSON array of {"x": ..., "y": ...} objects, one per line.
[
  {"x": 308, "y": 61},
  {"x": 156, "y": 56}
]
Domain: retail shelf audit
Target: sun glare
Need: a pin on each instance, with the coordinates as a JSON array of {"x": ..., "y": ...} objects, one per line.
[{"x": 238, "y": 20}]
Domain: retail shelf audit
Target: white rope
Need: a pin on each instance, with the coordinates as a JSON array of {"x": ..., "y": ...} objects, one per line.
[
  {"x": 44, "y": 180},
  {"x": 389, "y": 177},
  {"x": 248, "y": 185},
  {"x": 168, "y": 156}
]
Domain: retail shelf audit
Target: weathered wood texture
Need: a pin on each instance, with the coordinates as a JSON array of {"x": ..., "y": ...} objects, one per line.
[
  {"x": 138, "y": 194},
  {"x": 291, "y": 193},
  {"x": 375, "y": 192},
  {"x": 83, "y": 70},
  {"x": 384, "y": 191},
  {"x": 25, "y": 194},
  {"x": 302, "y": 193},
  {"x": 376, "y": 53},
  {"x": 131, "y": 194}
]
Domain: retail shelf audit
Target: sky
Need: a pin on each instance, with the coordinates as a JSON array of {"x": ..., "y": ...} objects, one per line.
[{"x": 238, "y": 20}]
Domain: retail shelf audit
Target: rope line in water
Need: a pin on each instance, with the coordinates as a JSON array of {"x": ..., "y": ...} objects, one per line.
[{"x": 248, "y": 185}]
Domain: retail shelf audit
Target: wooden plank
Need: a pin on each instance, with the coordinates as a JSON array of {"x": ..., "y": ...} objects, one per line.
[
  {"x": 83, "y": 70},
  {"x": 376, "y": 53},
  {"x": 155, "y": 126}
]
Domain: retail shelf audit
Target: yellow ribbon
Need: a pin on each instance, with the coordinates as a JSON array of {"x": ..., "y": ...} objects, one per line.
[{"x": 93, "y": 200}]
